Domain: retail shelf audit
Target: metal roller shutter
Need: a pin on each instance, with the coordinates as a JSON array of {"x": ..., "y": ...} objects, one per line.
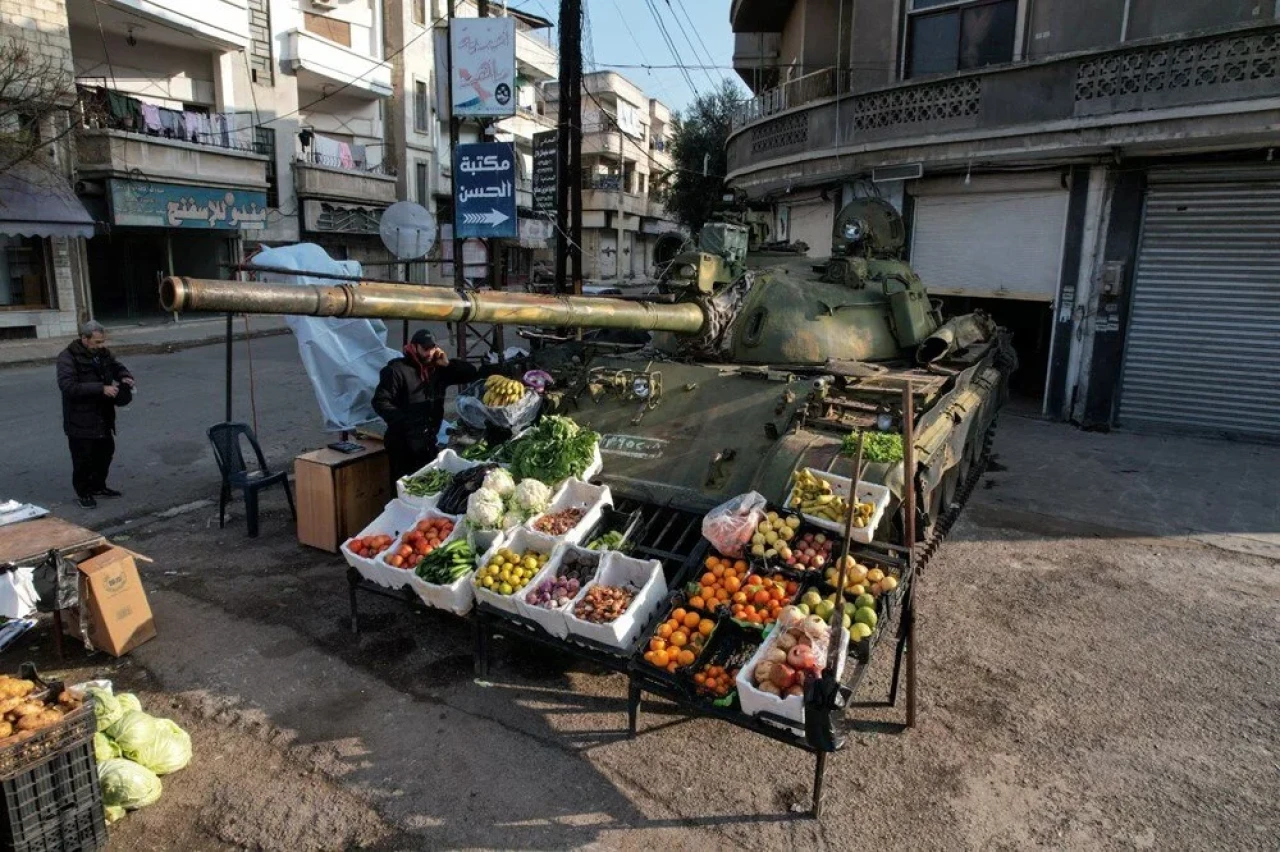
[
  {"x": 1004, "y": 245},
  {"x": 812, "y": 222},
  {"x": 1203, "y": 343}
]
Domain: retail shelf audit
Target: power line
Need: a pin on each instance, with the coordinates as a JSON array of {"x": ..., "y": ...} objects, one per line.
[
  {"x": 671, "y": 45},
  {"x": 689, "y": 41}
]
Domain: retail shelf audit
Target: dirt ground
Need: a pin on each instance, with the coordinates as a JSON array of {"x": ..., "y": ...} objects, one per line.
[{"x": 1082, "y": 688}]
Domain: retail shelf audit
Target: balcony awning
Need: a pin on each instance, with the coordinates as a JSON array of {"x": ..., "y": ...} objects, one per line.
[{"x": 37, "y": 202}]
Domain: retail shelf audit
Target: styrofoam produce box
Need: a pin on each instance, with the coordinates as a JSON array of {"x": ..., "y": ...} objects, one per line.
[
  {"x": 576, "y": 494},
  {"x": 447, "y": 460},
  {"x": 518, "y": 541},
  {"x": 395, "y": 519},
  {"x": 552, "y": 620},
  {"x": 868, "y": 492},
  {"x": 408, "y": 576},
  {"x": 755, "y": 701},
  {"x": 618, "y": 570}
]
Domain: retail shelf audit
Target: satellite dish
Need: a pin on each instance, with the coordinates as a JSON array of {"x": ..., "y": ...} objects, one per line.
[{"x": 408, "y": 230}]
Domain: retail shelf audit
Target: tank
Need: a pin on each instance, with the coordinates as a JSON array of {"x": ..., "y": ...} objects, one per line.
[{"x": 758, "y": 361}]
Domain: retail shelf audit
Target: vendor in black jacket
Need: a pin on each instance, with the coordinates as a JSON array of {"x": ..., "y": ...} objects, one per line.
[
  {"x": 410, "y": 397},
  {"x": 93, "y": 384}
]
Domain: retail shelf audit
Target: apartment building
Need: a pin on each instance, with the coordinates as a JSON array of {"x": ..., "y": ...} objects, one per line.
[
  {"x": 1098, "y": 175},
  {"x": 211, "y": 128},
  {"x": 42, "y": 225},
  {"x": 627, "y": 167}
]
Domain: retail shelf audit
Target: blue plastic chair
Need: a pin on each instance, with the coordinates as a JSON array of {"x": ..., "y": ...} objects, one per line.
[{"x": 225, "y": 438}]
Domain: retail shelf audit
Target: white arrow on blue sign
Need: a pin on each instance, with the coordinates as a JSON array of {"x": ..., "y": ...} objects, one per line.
[{"x": 484, "y": 195}]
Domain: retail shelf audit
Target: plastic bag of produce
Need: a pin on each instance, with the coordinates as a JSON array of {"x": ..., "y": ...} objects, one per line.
[
  {"x": 730, "y": 525},
  {"x": 104, "y": 748},
  {"x": 515, "y": 416},
  {"x": 129, "y": 701},
  {"x": 106, "y": 707},
  {"x": 158, "y": 744},
  {"x": 126, "y": 784}
]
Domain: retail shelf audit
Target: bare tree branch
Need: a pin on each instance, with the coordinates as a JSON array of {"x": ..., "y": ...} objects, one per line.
[{"x": 37, "y": 91}]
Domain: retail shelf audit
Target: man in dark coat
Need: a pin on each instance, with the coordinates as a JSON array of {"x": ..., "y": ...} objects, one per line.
[
  {"x": 410, "y": 397},
  {"x": 93, "y": 383}
]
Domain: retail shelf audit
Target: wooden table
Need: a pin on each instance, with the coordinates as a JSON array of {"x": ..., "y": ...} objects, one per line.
[
  {"x": 32, "y": 542},
  {"x": 340, "y": 493}
]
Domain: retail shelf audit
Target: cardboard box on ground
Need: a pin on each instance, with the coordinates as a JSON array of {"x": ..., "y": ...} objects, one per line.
[{"x": 113, "y": 601}]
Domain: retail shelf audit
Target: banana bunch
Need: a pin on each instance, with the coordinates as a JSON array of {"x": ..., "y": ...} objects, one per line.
[
  {"x": 499, "y": 391},
  {"x": 813, "y": 496}
]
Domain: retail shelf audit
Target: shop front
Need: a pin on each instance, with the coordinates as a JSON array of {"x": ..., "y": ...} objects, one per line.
[
  {"x": 158, "y": 229},
  {"x": 42, "y": 229},
  {"x": 348, "y": 231}
]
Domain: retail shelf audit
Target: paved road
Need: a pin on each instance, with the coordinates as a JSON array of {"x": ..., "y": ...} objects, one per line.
[{"x": 162, "y": 458}]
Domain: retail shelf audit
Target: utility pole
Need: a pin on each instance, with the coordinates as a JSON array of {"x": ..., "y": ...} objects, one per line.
[
  {"x": 622, "y": 199},
  {"x": 569, "y": 151},
  {"x": 455, "y": 125}
]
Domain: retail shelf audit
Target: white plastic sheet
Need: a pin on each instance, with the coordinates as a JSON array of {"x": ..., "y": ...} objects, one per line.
[{"x": 342, "y": 357}]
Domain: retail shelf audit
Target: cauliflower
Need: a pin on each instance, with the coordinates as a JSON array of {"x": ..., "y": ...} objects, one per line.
[
  {"x": 485, "y": 510},
  {"x": 531, "y": 497},
  {"x": 500, "y": 481}
]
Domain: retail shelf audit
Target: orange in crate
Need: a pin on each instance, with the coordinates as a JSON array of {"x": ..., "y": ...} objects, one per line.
[{"x": 677, "y": 641}]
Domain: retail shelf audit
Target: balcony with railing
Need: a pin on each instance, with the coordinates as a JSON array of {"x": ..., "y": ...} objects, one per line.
[
  {"x": 121, "y": 135},
  {"x": 1115, "y": 94},
  {"x": 600, "y": 192},
  {"x": 343, "y": 172}
]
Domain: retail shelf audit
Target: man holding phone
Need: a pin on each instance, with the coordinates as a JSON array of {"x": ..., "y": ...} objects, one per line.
[
  {"x": 93, "y": 384},
  {"x": 410, "y": 398}
]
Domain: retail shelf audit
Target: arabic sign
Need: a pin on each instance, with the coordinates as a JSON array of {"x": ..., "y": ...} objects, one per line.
[
  {"x": 484, "y": 66},
  {"x": 632, "y": 446},
  {"x": 545, "y": 160},
  {"x": 149, "y": 204},
  {"x": 484, "y": 195}
]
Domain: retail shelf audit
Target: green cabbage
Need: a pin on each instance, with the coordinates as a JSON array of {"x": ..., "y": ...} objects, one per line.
[
  {"x": 158, "y": 744},
  {"x": 129, "y": 701},
  {"x": 104, "y": 748},
  {"x": 114, "y": 812},
  {"x": 126, "y": 784},
  {"x": 106, "y": 707}
]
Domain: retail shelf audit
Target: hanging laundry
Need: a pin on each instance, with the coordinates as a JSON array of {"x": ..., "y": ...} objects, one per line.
[
  {"x": 345, "y": 160},
  {"x": 126, "y": 110},
  {"x": 171, "y": 123},
  {"x": 151, "y": 118},
  {"x": 191, "y": 124}
]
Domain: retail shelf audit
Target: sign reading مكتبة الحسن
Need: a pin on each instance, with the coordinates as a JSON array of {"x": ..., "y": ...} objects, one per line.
[
  {"x": 484, "y": 195},
  {"x": 149, "y": 204},
  {"x": 483, "y": 81}
]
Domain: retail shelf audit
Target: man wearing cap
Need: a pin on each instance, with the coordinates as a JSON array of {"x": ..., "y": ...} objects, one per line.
[
  {"x": 410, "y": 397},
  {"x": 93, "y": 385}
]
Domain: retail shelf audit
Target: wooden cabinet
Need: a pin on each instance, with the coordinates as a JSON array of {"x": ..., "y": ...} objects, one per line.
[{"x": 340, "y": 493}]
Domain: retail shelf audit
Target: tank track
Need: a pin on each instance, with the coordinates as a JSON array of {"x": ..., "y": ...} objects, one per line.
[{"x": 929, "y": 546}]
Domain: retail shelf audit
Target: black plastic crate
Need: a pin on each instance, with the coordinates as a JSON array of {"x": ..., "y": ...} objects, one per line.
[
  {"x": 731, "y": 646},
  {"x": 56, "y": 805},
  {"x": 49, "y": 783}
]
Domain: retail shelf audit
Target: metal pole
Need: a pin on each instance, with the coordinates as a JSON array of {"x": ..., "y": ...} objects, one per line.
[
  {"x": 622, "y": 200},
  {"x": 459, "y": 279},
  {"x": 230, "y": 340},
  {"x": 909, "y": 535},
  {"x": 405, "y": 328},
  {"x": 571, "y": 30}
]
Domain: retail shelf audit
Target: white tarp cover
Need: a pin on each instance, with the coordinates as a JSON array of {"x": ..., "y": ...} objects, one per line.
[{"x": 342, "y": 357}]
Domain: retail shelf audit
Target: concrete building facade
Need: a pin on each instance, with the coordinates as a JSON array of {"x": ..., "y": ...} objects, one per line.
[
  {"x": 1100, "y": 176},
  {"x": 627, "y": 167},
  {"x": 42, "y": 258}
]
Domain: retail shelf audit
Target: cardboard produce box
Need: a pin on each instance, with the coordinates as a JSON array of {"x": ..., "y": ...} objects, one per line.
[{"x": 114, "y": 602}]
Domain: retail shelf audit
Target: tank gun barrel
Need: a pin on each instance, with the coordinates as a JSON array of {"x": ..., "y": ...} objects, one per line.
[{"x": 434, "y": 304}]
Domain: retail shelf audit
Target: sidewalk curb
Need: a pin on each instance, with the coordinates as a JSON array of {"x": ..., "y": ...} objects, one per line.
[{"x": 158, "y": 348}]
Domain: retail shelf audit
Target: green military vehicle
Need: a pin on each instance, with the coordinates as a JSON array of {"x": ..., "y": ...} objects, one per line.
[{"x": 758, "y": 363}]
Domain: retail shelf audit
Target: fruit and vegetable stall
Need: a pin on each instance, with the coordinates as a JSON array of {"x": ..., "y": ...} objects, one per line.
[{"x": 764, "y": 616}]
